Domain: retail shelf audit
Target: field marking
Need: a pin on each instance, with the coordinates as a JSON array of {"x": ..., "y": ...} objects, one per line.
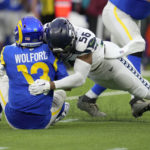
[
  {"x": 3, "y": 148},
  {"x": 118, "y": 149},
  {"x": 145, "y": 73},
  {"x": 102, "y": 95},
  {"x": 69, "y": 120}
]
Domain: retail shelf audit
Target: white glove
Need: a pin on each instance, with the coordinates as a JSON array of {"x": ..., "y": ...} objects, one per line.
[
  {"x": 2, "y": 70},
  {"x": 39, "y": 86}
]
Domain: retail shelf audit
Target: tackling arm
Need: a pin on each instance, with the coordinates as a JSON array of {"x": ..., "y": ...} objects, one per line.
[{"x": 82, "y": 67}]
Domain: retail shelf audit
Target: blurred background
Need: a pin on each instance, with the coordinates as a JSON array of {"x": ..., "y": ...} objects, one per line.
[{"x": 84, "y": 13}]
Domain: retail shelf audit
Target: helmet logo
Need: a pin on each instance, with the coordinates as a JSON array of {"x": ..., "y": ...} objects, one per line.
[{"x": 19, "y": 32}]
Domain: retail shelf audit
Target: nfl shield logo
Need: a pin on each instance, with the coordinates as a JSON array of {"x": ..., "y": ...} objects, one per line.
[{"x": 27, "y": 38}]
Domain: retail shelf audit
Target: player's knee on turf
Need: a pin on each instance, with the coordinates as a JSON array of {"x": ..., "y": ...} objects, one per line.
[
  {"x": 58, "y": 106},
  {"x": 59, "y": 97}
]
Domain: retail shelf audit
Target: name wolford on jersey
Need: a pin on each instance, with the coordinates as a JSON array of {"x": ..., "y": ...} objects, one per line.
[{"x": 31, "y": 57}]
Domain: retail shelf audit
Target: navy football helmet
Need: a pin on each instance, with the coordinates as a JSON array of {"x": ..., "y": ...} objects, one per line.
[
  {"x": 29, "y": 32},
  {"x": 60, "y": 35}
]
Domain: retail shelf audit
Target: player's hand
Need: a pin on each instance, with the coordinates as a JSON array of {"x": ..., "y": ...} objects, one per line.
[
  {"x": 39, "y": 86},
  {"x": 2, "y": 70}
]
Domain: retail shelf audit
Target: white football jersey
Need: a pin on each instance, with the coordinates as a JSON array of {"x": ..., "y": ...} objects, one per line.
[{"x": 88, "y": 43}]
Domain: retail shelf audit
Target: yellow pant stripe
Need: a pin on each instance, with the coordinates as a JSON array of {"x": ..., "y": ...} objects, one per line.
[
  {"x": 56, "y": 112},
  {"x": 2, "y": 57},
  {"x": 122, "y": 24},
  {"x": 1, "y": 95}
]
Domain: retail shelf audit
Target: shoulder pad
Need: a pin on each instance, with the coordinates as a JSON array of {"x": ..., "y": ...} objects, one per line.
[{"x": 85, "y": 40}]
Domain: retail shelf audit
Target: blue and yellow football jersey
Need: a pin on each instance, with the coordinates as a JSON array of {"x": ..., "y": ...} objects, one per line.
[
  {"x": 138, "y": 9},
  {"x": 24, "y": 66}
]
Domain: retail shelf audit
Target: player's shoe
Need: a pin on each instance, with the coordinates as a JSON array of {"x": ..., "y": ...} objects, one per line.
[
  {"x": 64, "y": 113},
  {"x": 138, "y": 107},
  {"x": 89, "y": 105}
]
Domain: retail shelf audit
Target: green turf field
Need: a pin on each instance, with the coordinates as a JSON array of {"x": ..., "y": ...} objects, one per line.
[{"x": 118, "y": 131}]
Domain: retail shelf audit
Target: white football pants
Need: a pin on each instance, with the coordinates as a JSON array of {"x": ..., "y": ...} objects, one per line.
[
  {"x": 120, "y": 74},
  {"x": 121, "y": 26}
]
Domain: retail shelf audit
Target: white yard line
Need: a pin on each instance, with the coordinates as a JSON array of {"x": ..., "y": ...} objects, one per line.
[
  {"x": 118, "y": 149},
  {"x": 69, "y": 120},
  {"x": 145, "y": 73},
  {"x": 102, "y": 95},
  {"x": 1, "y": 148}
]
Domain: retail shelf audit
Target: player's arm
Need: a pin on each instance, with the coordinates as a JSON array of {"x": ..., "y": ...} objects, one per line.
[{"x": 82, "y": 67}]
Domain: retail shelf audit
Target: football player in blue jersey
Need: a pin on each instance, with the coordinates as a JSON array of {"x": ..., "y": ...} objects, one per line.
[
  {"x": 25, "y": 61},
  {"x": 122, "y": 19},
  {"x": 99, "y": 60}
]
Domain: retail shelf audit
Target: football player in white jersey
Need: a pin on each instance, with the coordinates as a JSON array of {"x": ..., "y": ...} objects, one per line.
[
  {"x": 122, "y": 19},
  {"x": 103, "y": 62}
]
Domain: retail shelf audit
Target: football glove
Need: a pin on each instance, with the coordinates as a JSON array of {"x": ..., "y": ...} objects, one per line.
[{"x": 39, "y": 86}]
